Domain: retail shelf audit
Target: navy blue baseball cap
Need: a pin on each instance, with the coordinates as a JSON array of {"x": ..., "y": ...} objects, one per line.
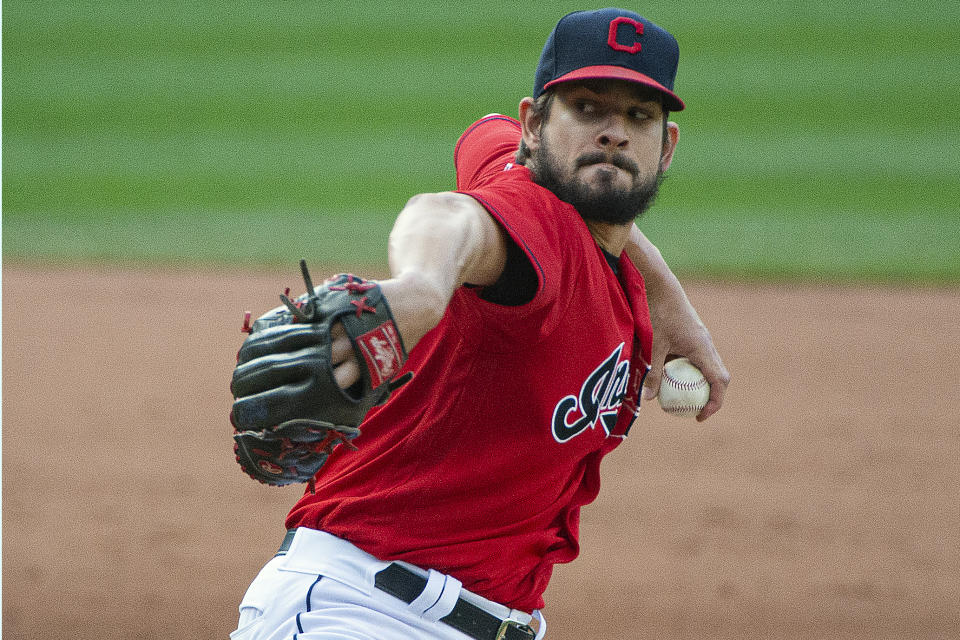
[{"x": 610, "y": 44}]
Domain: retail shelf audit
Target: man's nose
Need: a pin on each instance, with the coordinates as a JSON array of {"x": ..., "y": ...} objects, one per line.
[{"x": 613, "y": 134}]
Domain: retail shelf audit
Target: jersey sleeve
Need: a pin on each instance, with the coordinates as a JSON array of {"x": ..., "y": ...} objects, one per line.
[
  {"x": 485, "y": 149},
  {"x": 553, "y": 238}
]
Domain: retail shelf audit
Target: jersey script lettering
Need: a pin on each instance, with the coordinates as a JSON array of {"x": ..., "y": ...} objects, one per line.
[{"x": 600, "y": 398}]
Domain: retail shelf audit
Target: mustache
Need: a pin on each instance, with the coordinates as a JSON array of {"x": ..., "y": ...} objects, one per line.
[{"x": 617, "y": 160}]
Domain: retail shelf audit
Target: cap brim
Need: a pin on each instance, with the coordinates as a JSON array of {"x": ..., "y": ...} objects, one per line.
[{"x": 609, "y": 72}]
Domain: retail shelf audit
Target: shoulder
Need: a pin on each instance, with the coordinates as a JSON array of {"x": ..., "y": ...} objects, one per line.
[
  {"x": 515, "y": 200},
  {"x": 548, "y": 232},
  {"x": 485, "y": 149}
]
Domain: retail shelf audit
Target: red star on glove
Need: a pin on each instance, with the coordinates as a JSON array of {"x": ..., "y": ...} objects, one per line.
[
  {"x": 362, "y": 306},
  {"x": 354, "y": 287}
]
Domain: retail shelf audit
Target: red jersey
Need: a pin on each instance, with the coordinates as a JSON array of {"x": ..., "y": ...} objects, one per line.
[{"x": 478, "y": 467}]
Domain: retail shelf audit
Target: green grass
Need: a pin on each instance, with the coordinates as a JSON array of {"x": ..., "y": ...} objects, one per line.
[
  {"x": 817, "y": 144},
  {"x": 836, "y": 246},
  {"x": 350, "y": 239},
  {"x": 736, "y": 244}
]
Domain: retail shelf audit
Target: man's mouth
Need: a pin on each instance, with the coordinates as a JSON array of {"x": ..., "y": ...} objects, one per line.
[
  {"x": 602, "y": 159},
  {"x": 604, "y": 165}
]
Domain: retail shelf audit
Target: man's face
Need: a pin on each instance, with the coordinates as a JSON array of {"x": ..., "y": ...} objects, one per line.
[{"x": 600, "y": 149}]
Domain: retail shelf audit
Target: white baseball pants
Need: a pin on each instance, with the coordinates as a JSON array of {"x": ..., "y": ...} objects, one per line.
[{"x": 323, "y": 589}]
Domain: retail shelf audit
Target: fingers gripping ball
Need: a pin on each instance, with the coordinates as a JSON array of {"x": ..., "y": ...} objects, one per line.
[
  {"x": 288, "y": 411},
  {"x": 684, "y": 391}
]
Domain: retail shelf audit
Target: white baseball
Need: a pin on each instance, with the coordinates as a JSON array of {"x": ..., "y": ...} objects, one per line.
[{"x": 683, "y": 389}]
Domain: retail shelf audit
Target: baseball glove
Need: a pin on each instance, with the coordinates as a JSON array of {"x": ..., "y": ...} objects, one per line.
[{"x": 289, "y": 412}]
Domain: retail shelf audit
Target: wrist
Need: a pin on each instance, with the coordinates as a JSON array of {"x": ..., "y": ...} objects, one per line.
[{"x": 417, "y": 302}]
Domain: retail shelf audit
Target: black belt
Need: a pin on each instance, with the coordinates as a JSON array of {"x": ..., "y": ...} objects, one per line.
[{"x": 466, "y": 617}]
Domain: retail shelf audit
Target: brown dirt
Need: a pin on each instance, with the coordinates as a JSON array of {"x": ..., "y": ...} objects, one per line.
[{"x": 822, "y": 502}]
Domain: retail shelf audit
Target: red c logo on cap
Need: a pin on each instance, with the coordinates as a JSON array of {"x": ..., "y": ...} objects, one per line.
[{"x": 612, "y": 36}]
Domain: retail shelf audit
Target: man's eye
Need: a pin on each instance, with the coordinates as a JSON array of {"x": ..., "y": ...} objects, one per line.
[
  {"x": 584, "y": 106},
  {"x": 639, "y": 114}
]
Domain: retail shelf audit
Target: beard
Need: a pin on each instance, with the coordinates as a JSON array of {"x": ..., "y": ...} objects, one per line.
[{"x": 603, "y": 202}]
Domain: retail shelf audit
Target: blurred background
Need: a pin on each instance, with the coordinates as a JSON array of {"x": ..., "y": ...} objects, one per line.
[
  {"x": 820, "y": 141},
  {"x": 165, "y": 165}
]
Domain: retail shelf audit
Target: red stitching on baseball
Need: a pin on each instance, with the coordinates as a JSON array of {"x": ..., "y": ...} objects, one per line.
[
  {"x": 684, "y": 385},
  {"x": 685, "y": 409}
]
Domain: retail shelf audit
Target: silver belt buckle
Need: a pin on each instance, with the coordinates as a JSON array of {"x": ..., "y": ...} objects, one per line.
[{"x": 506, "y": 624}]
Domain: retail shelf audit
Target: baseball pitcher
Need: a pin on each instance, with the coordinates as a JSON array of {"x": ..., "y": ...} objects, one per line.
[{"x": 449, "y": 421}]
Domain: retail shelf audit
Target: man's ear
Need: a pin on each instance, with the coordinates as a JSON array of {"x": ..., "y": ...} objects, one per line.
[
  {"x": 530, "y": 124},
  {"x": 669, "y": 145}
]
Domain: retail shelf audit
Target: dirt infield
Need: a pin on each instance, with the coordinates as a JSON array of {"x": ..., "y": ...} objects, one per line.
[{"x": 822, "y": 502}]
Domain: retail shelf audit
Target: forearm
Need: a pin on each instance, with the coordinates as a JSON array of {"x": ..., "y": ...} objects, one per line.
[
  {"x": 659, "y": 279},
  {"x": 677, "y": 329},
  {"x": 438, "y": 242}
]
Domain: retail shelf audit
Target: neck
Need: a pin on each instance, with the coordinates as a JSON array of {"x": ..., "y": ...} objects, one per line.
[{"x": 611, "y": 237}]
